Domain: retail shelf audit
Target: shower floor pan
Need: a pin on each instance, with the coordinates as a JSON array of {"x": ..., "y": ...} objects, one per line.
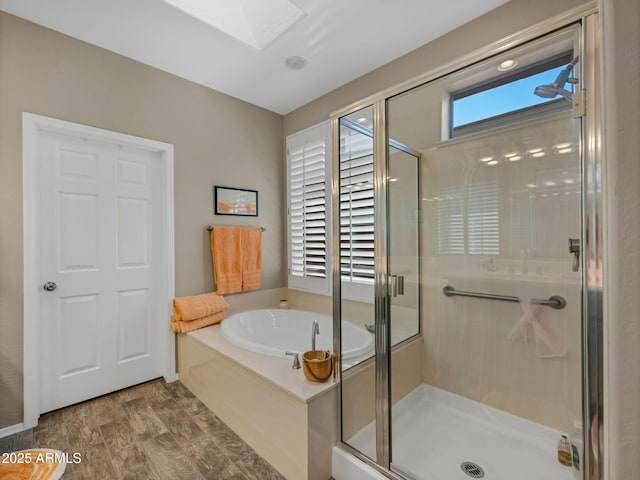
[{"x": 435, "y": 432}]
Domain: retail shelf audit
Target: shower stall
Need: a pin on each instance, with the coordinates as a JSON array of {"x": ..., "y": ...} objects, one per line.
[{"x": 466, "y": 238}]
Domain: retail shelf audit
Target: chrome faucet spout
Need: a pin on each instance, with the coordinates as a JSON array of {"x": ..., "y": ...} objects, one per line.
[{"x": 315, "y": 330}]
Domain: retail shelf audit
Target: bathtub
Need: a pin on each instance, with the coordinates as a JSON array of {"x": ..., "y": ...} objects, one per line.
[
  {"x": 274, "y": 332},
  {"x": 290, "y": 421}
]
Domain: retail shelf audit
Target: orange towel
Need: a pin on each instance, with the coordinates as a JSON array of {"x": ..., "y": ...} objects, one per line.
[
  {"x": 227, "y": 259},
  {"x": 251, "y": 239},
  {"x": 237, "y": 258},
  {"x": 182, "y": 327},
  {"x": 197, "y": 306},
  {"x": 37, "y": 464}
]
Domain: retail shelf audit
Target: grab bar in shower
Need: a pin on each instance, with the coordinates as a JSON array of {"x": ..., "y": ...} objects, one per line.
[{"x": 555, "y": 301}]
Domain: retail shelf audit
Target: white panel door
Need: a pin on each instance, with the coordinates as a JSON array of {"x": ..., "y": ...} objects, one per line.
[{"x": 100, "y": 332}]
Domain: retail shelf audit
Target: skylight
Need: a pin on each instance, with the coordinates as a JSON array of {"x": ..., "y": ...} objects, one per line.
[{"x": 254, "y": 22}]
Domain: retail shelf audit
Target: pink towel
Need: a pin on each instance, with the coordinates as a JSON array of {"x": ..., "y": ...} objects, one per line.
[{"x": 529, "y": 330}]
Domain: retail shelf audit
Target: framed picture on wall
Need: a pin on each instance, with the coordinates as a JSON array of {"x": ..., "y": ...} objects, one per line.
[{"x": 235, "y": 201}]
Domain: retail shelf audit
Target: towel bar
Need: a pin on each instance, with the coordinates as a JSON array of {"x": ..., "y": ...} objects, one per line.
[
  {"x": 210, "y": 227},
  {"x": 555, "y": 301}
]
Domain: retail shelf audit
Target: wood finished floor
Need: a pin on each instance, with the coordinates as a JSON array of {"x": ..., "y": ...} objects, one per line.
[{"x": 153, "y": 431}]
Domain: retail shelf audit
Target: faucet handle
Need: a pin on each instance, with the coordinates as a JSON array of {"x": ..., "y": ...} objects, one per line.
[{"x": 296, "y": 359}]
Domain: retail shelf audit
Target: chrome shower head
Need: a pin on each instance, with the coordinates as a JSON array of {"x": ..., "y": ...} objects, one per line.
[
  {"x": 557, "y": 88},
  {"x": 546, "y": 91}
]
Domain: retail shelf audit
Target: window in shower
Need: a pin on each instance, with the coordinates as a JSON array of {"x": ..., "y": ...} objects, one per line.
[
  {"x": 309, "y": 193},
  {"x": 512, "y": 96}
]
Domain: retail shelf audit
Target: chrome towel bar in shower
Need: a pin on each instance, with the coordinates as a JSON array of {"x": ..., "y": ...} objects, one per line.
[{"x": 555, "y": 301}]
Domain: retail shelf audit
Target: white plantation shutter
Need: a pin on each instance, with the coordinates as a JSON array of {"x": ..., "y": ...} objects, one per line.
[
  {"x": 309, "y": 177},
  {"x": 356, "y": 207},
  {"x": 308, "y": 167}
]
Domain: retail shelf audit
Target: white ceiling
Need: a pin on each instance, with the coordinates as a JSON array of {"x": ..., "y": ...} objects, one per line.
[{"x": 340, "y": 39}]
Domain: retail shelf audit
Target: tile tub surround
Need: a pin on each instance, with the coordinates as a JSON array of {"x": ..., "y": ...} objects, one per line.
[{"x": 289, "y": 421}]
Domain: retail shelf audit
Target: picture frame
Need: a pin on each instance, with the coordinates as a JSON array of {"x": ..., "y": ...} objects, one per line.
[{"x": 235, "y": 201}]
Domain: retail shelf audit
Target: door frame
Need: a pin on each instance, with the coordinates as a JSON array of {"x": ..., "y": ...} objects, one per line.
[{"x": 32, "y": 127}]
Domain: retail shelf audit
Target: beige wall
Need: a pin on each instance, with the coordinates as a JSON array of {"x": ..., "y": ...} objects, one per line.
[{"x": 217, "y": 139}]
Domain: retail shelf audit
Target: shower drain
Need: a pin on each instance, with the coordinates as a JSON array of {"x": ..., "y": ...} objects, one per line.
[{"x": 472, "y": 469}]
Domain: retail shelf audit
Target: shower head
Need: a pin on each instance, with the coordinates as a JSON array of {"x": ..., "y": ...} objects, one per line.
[{"x": 557, "y": 88}]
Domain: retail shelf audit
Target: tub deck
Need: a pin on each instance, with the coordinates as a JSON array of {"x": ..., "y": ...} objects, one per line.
[{"x": 288, "y": 420}]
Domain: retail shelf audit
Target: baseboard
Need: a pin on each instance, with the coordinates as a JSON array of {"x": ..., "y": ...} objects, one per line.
[{"x": 6, "y": 431}]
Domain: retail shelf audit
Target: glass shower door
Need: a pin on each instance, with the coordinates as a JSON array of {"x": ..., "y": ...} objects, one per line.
[
  {"x": 356, "y": 280},
  {"x": 403, "y": 280},
  {"x": 501, "y": 377},
  {"x": 462, "y": 250},
  {"x": 362, "y": 385}
]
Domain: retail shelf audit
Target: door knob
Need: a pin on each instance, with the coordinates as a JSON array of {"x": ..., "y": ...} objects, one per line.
[{"x": 50, "y": 286}]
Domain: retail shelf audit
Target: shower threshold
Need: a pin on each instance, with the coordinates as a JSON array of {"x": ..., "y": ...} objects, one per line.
[{"x": 437, "y": 434}]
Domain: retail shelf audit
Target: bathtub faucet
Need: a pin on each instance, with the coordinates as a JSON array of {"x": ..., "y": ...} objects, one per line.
[{"x": 315, "y": 330}]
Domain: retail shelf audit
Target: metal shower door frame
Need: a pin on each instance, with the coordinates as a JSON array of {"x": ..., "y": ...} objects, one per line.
[{"x": 592, "y": 235}]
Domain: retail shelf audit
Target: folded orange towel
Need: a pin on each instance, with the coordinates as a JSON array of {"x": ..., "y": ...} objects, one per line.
[
  {"x": 251, "y": 240},
  {"x": 182, "y": 327},
  {"x": 226, "y": 250},
  {"x": 37, "y": 464},
  {"x": 197, "y": 306}
]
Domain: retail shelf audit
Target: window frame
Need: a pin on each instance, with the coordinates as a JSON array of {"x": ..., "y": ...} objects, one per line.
[{"x": 518, "y": 115}]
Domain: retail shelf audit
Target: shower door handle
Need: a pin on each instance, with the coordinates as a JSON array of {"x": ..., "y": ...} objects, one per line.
[
  {"x": 397, "y": 285},
  {"x": 574, "y": 249}
]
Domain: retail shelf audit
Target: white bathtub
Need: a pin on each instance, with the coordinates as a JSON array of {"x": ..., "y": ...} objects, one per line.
[{"x": 274, "y": 332}]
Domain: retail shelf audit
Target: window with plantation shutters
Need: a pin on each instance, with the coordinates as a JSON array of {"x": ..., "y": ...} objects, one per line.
[
  {"x": 356, "y": 214},
  {"x": 468, "y": 219},
  {"x": 308, "y": 167}
]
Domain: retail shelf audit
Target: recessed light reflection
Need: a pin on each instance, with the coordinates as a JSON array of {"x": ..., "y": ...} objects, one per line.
[
  {"x": 492, "y": 162},
  {"x": 569, "y": 181},
  {"x": 508, "y": 64},
  {"x": 562, "y": 145},
  {"x": 565, "y": 150},
  {"x": 531, "y": 185},
  {"x": 534, "y": 150},
  {"x": 362, "y": 119},
  {"x": 509, "y": 155},
  {"x": 393, "y": 179},
  {"x": 515, "y": 158},
  {"x": 538, "y": 154},
  {"x": 486, "y": 159},
  {"x": 549, "y": 184}
]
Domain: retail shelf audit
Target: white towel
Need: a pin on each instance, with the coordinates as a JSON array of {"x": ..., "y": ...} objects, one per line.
[{"x": 529, "y": 330}]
